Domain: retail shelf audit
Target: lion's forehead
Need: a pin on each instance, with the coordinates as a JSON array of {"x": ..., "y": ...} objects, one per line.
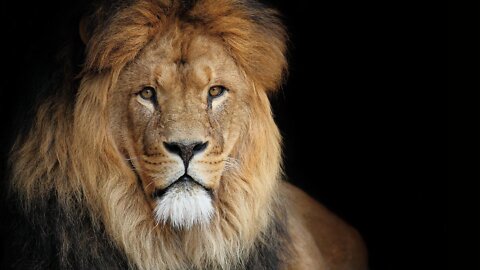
[{"x": 188, "y": 61}]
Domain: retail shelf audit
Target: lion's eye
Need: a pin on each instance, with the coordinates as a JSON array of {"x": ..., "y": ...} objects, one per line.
[
  {"x": 147, "y": 93},
  {"x": 216, "y": 91}
]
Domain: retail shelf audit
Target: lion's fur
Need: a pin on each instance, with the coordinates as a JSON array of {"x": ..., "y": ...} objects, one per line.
[{"x": 69, "y": 162}]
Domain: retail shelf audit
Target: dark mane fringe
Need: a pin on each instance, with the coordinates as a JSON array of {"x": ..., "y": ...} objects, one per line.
[
  {"x": 52, "y": 239},
  {"x": 271, "y": 250}
]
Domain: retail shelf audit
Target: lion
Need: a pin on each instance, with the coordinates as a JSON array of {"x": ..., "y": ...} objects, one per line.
[{"x": 165, "y": 154}]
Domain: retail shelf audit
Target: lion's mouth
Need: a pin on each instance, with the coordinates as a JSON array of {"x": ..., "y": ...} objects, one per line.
[{"x": 185, "y": 181}]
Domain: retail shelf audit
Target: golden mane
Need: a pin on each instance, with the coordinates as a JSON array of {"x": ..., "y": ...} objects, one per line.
[{"x": 70, "y": 160}]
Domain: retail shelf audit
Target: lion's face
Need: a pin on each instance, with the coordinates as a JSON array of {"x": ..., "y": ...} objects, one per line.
[{"x": 176, "y": 114}]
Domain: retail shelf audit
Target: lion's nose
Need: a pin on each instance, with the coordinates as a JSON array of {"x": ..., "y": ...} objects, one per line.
[{"x": 185, "y": 150}]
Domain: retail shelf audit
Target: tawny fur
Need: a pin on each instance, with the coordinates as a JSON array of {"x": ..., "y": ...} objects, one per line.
[{"x": 78, "y": 152}]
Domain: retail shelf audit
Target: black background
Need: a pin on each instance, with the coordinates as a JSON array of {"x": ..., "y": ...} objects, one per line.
[{"x": 354, "y": 115}]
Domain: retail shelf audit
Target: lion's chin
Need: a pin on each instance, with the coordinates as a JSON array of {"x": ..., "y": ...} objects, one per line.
[{"x": 183, "y": 206}]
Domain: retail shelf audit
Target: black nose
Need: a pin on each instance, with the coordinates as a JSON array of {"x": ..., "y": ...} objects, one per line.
[{"x": 185, "y": 151}]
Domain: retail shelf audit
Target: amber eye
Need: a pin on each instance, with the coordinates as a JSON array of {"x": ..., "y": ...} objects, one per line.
[
  {"x": 147, "y": 93},
  {"x": 216, "y": 91}
]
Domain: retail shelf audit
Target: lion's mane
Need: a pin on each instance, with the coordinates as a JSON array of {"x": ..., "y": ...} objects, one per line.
[{"x": 80, "y": 199}]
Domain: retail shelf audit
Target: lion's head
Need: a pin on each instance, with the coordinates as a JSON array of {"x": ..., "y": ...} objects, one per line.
[
  {"x": 170, "y": 142},
  {"x": 180, "y": 113}
]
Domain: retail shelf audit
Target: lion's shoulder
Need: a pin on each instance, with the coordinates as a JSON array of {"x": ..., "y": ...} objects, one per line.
[{"x": 338, "y": 244}]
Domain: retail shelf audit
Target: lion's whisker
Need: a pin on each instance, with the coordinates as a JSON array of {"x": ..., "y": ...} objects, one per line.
[
  {"x": 148, "y": 184},
  {"x": 156, "y": 224},
  {"x": 231, "y": 163}
]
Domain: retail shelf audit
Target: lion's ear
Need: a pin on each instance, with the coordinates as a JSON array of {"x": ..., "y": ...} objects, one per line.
[
  {"x": 91, "y": 20},
  {"x": 83, "y": 30},
  {"x": 88, "y": 23}
]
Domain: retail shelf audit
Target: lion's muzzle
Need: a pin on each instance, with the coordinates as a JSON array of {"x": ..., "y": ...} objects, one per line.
[{"x": 185, "y": 181}]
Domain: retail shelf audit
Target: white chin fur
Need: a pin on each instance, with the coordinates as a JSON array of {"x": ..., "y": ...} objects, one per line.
[{"x": 184, "y": 206}]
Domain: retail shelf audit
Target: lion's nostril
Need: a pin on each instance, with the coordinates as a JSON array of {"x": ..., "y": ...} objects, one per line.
[
  {"x": 199, "y": 147},
  {"x": 173, "y": 148},
  {"x": 185, "y": 151}
]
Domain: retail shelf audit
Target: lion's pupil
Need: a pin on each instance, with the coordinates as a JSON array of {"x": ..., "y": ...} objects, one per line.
[
  {"x": 146, "y": 93},
  {"x": 215, "y": 91}
]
